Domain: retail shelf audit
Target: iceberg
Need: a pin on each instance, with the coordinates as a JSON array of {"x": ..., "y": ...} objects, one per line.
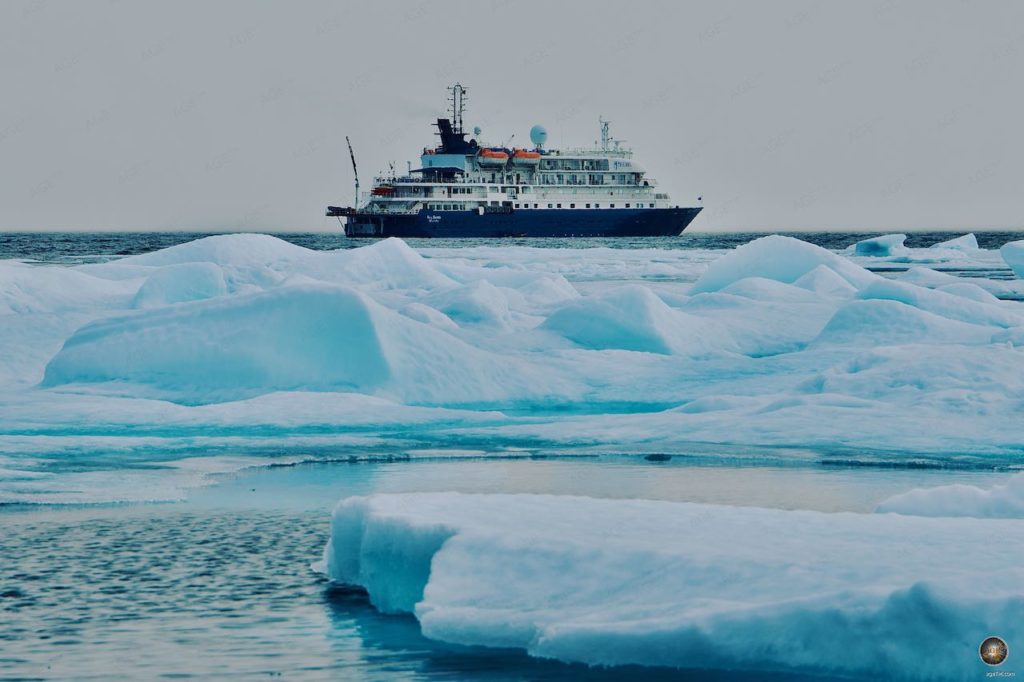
[
  {"x": 614, "y": 582},
  {"x": 960, "y": 253},
  {"x": 1013, "y": 254},
  {"x": 967, "y": 242},
  {"x": 886, "y": 245}
]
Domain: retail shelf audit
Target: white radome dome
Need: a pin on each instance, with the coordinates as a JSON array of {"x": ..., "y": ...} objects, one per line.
[{"x": 538, "y": 135}]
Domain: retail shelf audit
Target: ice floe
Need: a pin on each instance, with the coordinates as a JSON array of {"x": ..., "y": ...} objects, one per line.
[
  {"x": 1005, "y": 500},
  {"x": 886, "y": 245},
  {"x": 1013, "y": 254},
  {"x": 610, "y": 582},
  {"x": 776, "y": 343}
]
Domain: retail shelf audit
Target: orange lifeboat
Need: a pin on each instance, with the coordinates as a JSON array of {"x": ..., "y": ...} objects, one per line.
[
  {"x": 524, "y": 157},
  {"x": 492, "y": 158}
]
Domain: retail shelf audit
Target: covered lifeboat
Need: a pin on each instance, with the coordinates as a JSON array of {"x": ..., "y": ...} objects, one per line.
[
  {"x": 492, "y": 158},
  {"x": 524, "y": 157}
]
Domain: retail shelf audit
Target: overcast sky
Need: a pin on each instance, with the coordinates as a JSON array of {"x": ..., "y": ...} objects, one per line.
[{"x": 874, "y": 114}]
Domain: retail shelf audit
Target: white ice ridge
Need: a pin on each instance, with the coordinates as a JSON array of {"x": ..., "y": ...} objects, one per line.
[
  {"x": 248, "y": 341},
  {"x": 610, "y": 582},
  {"x": 1005, "y": 500}
]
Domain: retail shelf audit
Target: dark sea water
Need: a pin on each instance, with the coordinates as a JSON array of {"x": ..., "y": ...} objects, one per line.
[{"x": 85, "y": 246}]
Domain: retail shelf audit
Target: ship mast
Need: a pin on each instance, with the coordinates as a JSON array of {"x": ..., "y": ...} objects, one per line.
[
  {"x": 457, "y": 105},
  {"x": 355, "y": 171}
]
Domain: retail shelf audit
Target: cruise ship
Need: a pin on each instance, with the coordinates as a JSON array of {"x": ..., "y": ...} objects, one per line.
[{"x": 467, "y": 189}]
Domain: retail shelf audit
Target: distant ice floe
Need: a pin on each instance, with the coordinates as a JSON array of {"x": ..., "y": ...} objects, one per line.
[
  {"x": 1013, "y": 254},
  {"x": 887, "y": 245},
  {"x": 613, "y": 582},
  {"x": 958, "y": 254},
  {"x": 779, "y": 342}
]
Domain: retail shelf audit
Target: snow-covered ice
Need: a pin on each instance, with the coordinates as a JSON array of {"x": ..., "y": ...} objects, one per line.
[
  {"x": 1003, "y": 500},
  {"x": 247, "y": 343},
  {"x": 612, "y": 582}
]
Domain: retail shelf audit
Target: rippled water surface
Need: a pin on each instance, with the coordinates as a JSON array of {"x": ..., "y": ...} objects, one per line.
[
  {"x": 74, "y": 247},
  {"x": 221, "y": 587}
]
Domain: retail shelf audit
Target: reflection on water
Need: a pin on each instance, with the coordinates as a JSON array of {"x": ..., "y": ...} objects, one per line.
[
  {"x": 679, "y": 479},
  {"x": 157, "y": 592},
  {"x": 221, "y": 587}
]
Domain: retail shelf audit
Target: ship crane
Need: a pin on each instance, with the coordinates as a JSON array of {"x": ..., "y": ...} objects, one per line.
[{"x": 355, "y": 171}]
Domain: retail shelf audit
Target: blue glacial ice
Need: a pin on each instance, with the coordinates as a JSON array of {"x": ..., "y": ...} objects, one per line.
[
  {"x": 886, "y": 245},
  {"x": 246, "y": 343},
  {"x": 610, "y": 582},
  {"x": 1013, "y": 254}
]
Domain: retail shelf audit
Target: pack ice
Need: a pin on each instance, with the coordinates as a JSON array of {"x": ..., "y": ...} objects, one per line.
[
  {"x": 248, "y": 342},
  {"x": 612, "y": 582}
]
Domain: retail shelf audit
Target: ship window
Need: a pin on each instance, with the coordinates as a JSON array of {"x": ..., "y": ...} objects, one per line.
[
  {"x": 535, "y": 205},
  {"x": 572, "y": 205},
  {"x": 627, "y": 205},
  {"x": 550, "y": 206},
  {"x": 517, "y": 205},
  {"x": 613, "y": 205},
  {"x": 652, "y": 205},
  {"x": 597, "y": 205},
  {"x": 588, "y": 205},
  {"x": 493, "y": 189},
  {"x": 559, "y": 206}
]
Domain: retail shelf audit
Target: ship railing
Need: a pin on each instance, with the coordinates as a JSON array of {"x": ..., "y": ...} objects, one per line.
[
  {"x": 373, "y": 210},
  {"x": 620, "y": 153}
]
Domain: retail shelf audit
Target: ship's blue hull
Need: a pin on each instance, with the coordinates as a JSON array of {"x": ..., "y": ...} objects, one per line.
[{"x": 620, "y": 222}]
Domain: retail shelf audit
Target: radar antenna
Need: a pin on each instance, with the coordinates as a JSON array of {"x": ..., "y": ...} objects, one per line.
[
  {"x": 355, "y": 171},
  {"x": 457, "y": 106},
  {"x": 605, "y": 136}
]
